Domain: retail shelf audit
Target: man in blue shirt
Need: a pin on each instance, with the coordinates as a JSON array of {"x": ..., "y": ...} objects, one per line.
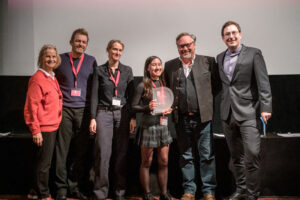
[{"x": 74, "y": 76}]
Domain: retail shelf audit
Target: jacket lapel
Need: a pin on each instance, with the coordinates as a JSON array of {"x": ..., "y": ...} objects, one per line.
[
  {"x": 239, "y": 61},
  {"x": 221, "y": 68},
  {"x": 197, "y": 70},
  {"x": 176, "y": 73}
]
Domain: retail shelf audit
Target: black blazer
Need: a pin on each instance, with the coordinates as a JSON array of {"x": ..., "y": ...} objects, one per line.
[
  {"x": 206, "y": 79},
  {"x": 248, "y": 93}
]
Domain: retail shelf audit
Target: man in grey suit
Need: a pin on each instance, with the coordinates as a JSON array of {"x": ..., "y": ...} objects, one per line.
[
  {"x": 190, "y": 77},
  {"x": 246, "y": 95}
]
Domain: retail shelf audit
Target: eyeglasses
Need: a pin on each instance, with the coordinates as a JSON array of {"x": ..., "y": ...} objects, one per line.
[
  {"x": 233, "y": 33},
  {"x": 181, "y": 46}
]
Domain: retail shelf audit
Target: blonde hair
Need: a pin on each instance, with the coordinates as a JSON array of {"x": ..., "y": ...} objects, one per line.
[
  {"x": 42, "y": 53},
  {"x": 111, "y": 42}
]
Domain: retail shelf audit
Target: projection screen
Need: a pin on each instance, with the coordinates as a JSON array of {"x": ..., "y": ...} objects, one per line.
[{"x": 147, "y": 27}]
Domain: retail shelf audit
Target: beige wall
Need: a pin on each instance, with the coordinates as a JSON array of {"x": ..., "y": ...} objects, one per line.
[{"x": 148, "y": 27}]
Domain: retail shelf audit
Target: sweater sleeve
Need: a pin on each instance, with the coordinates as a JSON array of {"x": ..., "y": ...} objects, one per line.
[
  {"x": 136, "y": 106},
  {"x": 33, "y": 99},
  {"x": 130, "y": 92},
  {"x": 94, "y": 95}
]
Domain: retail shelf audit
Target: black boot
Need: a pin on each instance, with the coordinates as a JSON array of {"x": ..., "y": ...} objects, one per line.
[
  {"x": 238, "y": 195},
  {"x": 166, "y": 196},
  {"x": 148, "y": 196}
]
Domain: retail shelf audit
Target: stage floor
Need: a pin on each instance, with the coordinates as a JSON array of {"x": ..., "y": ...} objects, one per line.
[
  {"x": 22, "y": 197},
  {"x": 280, "y": 174}
]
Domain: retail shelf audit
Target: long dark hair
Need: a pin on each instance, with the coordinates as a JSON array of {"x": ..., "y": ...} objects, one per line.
[{"x": 147, "y": 78}]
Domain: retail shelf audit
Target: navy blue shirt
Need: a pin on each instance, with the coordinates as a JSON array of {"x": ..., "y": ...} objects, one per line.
[{"x": 66, "y": 80}]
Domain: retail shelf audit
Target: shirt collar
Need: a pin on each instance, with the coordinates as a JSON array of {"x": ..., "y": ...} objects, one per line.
[
  {"x": 236, "y": 52},
  {"x": 120, "y": 67},
  {"x": 47, "y": 74},
  {"x": 184, "y": 65}
]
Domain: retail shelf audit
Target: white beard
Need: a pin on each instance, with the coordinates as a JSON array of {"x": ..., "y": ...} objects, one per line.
[{"x": 187, "y": 56}]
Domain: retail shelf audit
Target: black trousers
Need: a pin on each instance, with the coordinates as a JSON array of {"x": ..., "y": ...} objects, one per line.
[
  {"x": 43, "y": 157},
  {"x": 71, "y": 148},
  {"x": 243, "y": 139},
  {"x": 111, "y": 138}
]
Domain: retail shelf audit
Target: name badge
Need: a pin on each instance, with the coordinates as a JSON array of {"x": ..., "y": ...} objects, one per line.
[
  {"x": 76, "y": 92},
  {"x": 164, "y": 121},
  {"x": 116, "y": 101}
]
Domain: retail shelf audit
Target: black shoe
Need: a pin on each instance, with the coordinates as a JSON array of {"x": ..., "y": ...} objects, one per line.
[
  {"x": 166, "y": 196},
  {"x": 148, "y": 196},
  {"x": 95, "y": 198},
  {"x": 238, "y": 195},
  {"x": 61, "y": 197},
  {"x": 119, "y": 197},
  {"x": 251, "y": 198},
  {"x": 78, "y": 195},
  {"x": 32, "y": 195}
]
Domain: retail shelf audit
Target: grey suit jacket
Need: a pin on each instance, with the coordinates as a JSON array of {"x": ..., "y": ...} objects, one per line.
[
  {"x": 248, "y": 93},
  {"x": 206, "y": 82}
]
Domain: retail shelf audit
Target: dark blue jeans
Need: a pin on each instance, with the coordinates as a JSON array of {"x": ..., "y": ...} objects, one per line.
[{"x": 192, "y": 133}]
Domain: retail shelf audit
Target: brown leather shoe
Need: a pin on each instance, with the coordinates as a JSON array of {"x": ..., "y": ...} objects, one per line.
[
  {"x": 187, "y": 196},
  {"x": 209, "y": 197}
]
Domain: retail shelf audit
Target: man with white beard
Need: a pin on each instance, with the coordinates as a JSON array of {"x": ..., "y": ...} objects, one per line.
[{"x": 194, "y": 80}]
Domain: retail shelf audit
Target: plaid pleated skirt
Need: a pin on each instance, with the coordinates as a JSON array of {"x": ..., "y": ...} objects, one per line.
[{"x": 151, "y": 134}]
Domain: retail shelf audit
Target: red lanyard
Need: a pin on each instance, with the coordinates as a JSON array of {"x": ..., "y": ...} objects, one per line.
[
  {"x": 161, "y": 85},
  {"x": 75, "y": 72},
  {"x": 162, "y": 91},
  {"x": 115, "y": 81}
]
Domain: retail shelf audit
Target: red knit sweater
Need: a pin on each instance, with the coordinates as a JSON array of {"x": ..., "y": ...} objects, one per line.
[{"x": 43, "y": 106}]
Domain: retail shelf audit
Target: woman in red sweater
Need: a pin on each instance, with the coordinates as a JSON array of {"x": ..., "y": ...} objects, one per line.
[{"x": 43, "y": 113}]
